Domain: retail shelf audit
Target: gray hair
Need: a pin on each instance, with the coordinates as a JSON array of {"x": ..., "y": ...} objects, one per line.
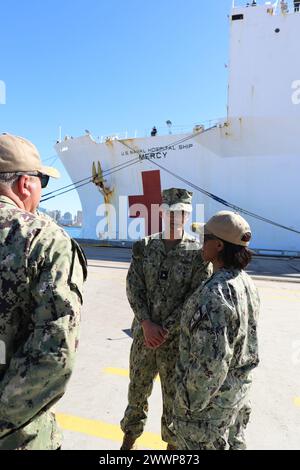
[{"x": 8, "y": 178}]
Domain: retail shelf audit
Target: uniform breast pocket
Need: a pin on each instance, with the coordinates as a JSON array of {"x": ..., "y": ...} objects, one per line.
[
  {"x": 151, "y": 270},
  {"x": 182, "y": 273}
]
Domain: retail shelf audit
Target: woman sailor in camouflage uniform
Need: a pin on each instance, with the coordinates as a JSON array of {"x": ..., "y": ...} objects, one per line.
[{"x": 218, "y": 344}]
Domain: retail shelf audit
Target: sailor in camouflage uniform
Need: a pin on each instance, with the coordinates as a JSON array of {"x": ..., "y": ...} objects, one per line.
[
  {"x": 42, "y": 275},
  {"x": 218, "y": 344},
  {"x": 165, "y": 269}
]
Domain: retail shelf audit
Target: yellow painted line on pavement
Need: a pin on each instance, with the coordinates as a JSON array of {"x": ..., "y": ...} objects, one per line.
[
  {"x": 120, "y": 372},
  {"x": 111, "y": 432},
  {"x": 115, "y": 371},
  {"x": 297, "y": 401}
]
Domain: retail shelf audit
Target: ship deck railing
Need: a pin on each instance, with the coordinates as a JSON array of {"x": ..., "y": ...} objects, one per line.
[
  {"x": 288, "y": 7},
  {"x": 161, "y": 130}
]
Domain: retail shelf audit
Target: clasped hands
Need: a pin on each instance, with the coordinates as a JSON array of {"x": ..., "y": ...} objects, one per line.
[{"x": 154, "y": 335}]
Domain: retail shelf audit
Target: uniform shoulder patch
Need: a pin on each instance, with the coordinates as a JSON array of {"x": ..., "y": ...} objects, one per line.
[{"x": 199, "y": 316}]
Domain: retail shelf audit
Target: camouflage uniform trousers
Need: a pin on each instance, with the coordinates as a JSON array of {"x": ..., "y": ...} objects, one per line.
[
  {"x": 145, "y": 364},
  {"x": 236, "y": 438},
  {"x": 224, "y": 432}
]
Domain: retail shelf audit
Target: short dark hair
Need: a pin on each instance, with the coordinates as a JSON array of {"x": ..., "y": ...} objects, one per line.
[{"x": 235, "y": 256}]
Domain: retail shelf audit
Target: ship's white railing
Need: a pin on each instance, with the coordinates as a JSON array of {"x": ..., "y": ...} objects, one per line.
[
  {"x": 287, "y": 6},
  {"x": 278, "y": 6},
  {"x": 161, "y": 130}
]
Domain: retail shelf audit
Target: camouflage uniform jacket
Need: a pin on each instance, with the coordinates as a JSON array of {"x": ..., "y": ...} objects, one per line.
[
  {"x": 158, "y": 282},
  {"x": 42, "y": 275},
  {"x": 218, "y": 345}
]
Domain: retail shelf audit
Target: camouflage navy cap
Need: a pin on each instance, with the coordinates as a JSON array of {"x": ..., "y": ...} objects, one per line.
[
  {"x": 177, "y": 199},
  {"x": 18, "y": 154},
  {"x": 228, "y": 226}
]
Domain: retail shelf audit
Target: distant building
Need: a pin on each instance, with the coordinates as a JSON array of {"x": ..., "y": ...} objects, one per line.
[
  {"x": 78, "y": 218},
  {"x": 58, "y": 216},
  {"x": 67, "y": 219},
  {"x": 54, "y": 214}
]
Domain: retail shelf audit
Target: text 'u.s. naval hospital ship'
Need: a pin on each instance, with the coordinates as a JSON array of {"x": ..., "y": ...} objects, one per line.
[{"x": 248, "y": 160}]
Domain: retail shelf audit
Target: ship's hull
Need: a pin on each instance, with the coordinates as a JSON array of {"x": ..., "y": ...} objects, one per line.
[{"x": 221, "y": 161}]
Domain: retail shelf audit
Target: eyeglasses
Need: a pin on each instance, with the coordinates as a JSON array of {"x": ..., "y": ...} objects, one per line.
[{"x": 44, "y": 178}]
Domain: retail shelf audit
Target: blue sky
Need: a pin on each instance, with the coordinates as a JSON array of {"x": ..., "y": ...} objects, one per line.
[{"x": 108, "y": 66}]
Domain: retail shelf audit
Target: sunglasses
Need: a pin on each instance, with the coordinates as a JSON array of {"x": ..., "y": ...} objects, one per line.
[{"x": 44, "y": 178}]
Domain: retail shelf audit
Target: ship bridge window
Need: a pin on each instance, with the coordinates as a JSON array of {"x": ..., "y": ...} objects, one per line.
[{"x": 237, "y": 17}]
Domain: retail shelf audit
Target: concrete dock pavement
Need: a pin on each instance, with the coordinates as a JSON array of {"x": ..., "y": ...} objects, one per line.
[
  {"x": 96, "y": 397},
  {"x": 284, "y": 269}
]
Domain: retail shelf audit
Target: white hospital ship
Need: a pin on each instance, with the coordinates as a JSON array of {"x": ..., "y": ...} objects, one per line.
[{"x": 250, "y": 158}]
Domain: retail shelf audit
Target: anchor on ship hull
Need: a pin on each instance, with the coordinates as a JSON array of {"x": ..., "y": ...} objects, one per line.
[{"x": 101, "y": 183}]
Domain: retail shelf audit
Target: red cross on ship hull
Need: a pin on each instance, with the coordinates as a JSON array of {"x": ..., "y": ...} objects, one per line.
[{"x": 151, "y": 195}]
